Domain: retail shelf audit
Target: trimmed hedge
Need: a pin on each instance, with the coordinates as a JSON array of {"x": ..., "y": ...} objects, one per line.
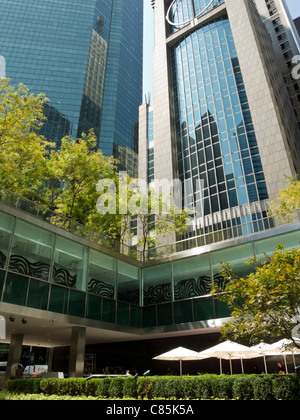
[{"x": 237, "y": 387}]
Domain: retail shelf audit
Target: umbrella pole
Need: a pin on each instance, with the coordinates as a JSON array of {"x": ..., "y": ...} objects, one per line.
[
  {"x": 286, "y": 367},
  {"x": 180, "y": 367},
  {"x": 221, "y": 371},
  {"x": 294, "y": 360},
  {"x": 230, "y": 366},
  {"x": 265, "y": 362},
  {"x": 242, "y": 364}
]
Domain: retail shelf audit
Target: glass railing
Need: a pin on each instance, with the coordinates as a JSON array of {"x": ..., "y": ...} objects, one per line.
[
  {"x": 206, "y": 238},
  {"x": 268, "y": 222},
  {"x": 63, "y": 222}
]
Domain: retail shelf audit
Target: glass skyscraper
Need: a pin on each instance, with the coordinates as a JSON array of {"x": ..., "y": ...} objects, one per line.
[
  {"x": 221, "y": 112},
  {"x": 86, "y": 56}
]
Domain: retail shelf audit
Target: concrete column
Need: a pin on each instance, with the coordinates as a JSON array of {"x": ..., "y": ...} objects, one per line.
[
  {"x": 14, "y": 355},
  {"x": 50, "y": 359},
  {"x": 77, "y": 351}
]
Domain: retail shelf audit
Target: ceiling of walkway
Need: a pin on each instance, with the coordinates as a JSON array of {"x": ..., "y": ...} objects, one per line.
[{"x": 55, "y": 331}]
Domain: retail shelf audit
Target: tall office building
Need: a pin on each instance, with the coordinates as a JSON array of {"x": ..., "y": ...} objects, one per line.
[
  {"x": 285, "y": 41},
  {"x": 297, "y": 24},
  {"x": 221, "y": 112},
  {"x": 86, "y": 56}
]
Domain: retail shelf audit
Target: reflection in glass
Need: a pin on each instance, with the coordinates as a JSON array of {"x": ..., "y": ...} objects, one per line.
[
  {"x": 102, "y": 274},
  {"x": 38, "y": 294},
  {"x": 215, "y": 137},
  {"x": 128, "y": 283},
  {"x": 70, "y": 264},
  {"x": 32, "y": 250},
  {"x": 6, "y": 227},
  {"x": 157, "y": 284},
  {"x": 15, "y": 289},
  {"x": 237, "y": 256},
  {"x": 192, "y": 277}
]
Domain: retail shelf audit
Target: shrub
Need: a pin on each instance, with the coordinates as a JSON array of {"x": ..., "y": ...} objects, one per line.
[
  {"x": 222, "y": 387},
  {"x": 50, "y": 386},
  {"x": 130, "y": 388},
  {"x": 263, "y": 387},
  {"x": 204, "y": 387},
  {"x": 116, "y": 388},
  {"x": 168, "y": 387},
  {"x": 103, "y": 387},
  {"x": 146, "y": 390},
  {"x": 242, "y": 388},
  {"x": 71, "y": 386},
  {"x": 286, "y": 387},
  {"x": 27, "y": 386},
  {"x": 91, "y": 387},
  {"x": 189, "y": 387}
]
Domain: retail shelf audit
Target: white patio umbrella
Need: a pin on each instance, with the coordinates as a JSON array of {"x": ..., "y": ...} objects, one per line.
[
  {"x": 180, "y": 354},
  {"x": 282, "y": 347},
  {"x": 285, "y": 348},
  {"x": 229, "y": 350},
  {"x": 263, "y": 349}
]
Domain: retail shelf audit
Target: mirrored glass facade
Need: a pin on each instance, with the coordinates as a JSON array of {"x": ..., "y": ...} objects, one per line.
[
  {"x": 181, "y": 13},
  {"x": 215, "y": 135},
  {"x": 86, "y": 56}
]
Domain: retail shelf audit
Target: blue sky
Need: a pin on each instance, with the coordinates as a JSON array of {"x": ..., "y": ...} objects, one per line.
[{"x": 294, "y": 7}]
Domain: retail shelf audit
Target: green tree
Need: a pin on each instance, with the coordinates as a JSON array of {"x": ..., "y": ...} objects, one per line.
[
  {"x": 166, "y": 220},
  {"x": 72, "y": 175},
  {"x": 114, "y": 223},
  {"x": 287, "y": 199},
  {"x": 22, "y": 150},
  {"x": 266, "y": 303}
]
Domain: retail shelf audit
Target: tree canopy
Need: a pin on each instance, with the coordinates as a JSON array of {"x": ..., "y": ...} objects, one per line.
[
  {"x": 22, "y": 150},
  {"x": 287, "y": 199},
  {"x": 66, "y": 179},
  {"x": 266, "y": 303}
]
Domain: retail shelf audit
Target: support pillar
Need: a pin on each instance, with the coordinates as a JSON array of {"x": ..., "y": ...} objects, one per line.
[
  {"x": 14, "y": 355},
  {"x": 77, "y": 351},
  {"x": 50, "y": 359}
]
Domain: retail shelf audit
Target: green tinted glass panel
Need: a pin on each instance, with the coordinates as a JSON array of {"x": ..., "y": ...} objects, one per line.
[
  {"x": 70, "y": 264},
  {"x": 2, "y": 274},
  {"x": 164, "y": 314},
  {"x": 102, "y": 274},
  {"x": 128, "y": 283},
  {"x": 183, "y": 312},
  {"x": 6, "y": 227},
  {"x": 58, "y": 299},
  {"x": 93, "y": 307},
  {"x": 31, "y": 252},
  {"x": 192, "y": 277},
  {"x": 108, "y": 311},
  {"x": 15, "y": 289},
  {"x": 76, "y": 303},
  {"x": 222, "y": 310},
  {"x": 38, "y": 294},
  {"x": 157, "y": 284},
  {"x": 122, "y": 313},
  {"x": 135, "y": 316},
  {"x": 237, "y": 256},
  {"x": 149, "y": 316},
  {"x": 268, "y": 245},
  {"x": 203, "y": 309}
]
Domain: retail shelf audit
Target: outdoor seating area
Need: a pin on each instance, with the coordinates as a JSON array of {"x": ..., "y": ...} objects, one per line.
[{"x": 229, "y": 350}]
